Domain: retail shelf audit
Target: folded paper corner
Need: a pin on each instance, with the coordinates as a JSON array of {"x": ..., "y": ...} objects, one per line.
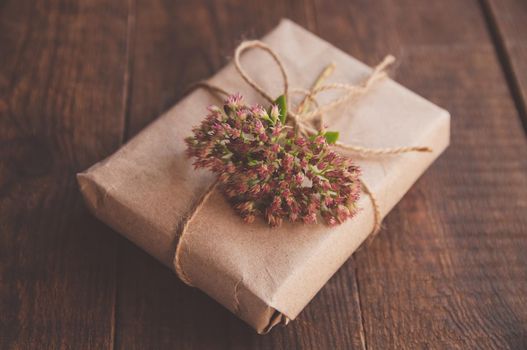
[{"x": 277, "y": 318}]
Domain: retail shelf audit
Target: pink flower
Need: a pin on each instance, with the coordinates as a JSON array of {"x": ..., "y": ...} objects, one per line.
[
  {"x": 310, "y": 218},
  {"x": 287, "y": 161},
  {"x": 234, "y": 101},
  {"x": 265, "y": 170},
  {"x": 299, "y": 178},
  {"x": 275, "y": 112},
  {"x": 342, "y": 213}
]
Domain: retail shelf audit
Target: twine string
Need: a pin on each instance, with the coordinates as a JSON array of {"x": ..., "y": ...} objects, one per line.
[
  {"x": 307, "y": 121},
  {"x": 184, "y": 225},
  {"x": 256, "y": 44}
]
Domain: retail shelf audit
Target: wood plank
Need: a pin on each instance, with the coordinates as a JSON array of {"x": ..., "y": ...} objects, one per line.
[
  {"x": 154, "y": 309},
  {"x": 449, "y": 271},
  {"x": 61, "y": 91},
  {"x": 508, "y": 22}
]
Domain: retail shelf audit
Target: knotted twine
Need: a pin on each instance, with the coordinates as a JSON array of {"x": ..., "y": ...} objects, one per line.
[{"x": 305, "y": 122}]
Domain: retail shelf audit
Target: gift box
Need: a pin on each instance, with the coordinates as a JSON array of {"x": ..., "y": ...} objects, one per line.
[{"x": 266, "y": 275}]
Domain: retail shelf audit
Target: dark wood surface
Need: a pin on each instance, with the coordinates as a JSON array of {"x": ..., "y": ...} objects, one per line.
[
  {"x": 79, "y": 78},
  {"x": 508, "y": 19}
]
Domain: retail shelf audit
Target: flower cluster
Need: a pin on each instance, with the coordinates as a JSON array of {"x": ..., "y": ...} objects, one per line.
[{"x": 266, "y": 170}]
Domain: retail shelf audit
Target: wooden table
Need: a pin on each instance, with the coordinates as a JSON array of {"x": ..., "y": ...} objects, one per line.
[{"x": 79, "y": 78}]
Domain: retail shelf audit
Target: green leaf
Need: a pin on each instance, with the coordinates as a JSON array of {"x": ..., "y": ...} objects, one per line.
[
  {"x": 282, "y": 106},
  {"x": 331, "y": 136}
]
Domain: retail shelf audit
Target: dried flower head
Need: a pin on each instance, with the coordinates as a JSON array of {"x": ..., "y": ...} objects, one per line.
[{"x": 266, "y": 170}]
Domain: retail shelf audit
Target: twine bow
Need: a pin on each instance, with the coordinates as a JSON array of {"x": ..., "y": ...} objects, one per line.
[{"x": 306, "y": 121}]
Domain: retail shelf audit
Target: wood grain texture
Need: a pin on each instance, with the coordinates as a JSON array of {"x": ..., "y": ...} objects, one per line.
[
  {"x": 449, "y": 269},
  {"x": 508, "y": 22},
  {"x": 61, "y": 83},
  {"x": 78, "y": 78}
]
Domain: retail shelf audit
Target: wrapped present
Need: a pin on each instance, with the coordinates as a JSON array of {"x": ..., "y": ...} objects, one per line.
[{"x": 150, "y": 192}]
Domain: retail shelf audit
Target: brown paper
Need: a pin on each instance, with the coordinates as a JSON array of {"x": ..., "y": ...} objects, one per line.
[{"x": 264, "y": 275}]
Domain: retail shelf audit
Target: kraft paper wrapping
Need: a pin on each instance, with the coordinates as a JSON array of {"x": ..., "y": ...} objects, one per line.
[{"x": 264, "y": 275}]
